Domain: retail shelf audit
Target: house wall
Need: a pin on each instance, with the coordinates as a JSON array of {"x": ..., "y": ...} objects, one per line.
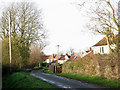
[
  {"x": 66, "y": 57},
  {"x": 48, "y": 61},
  {"x": 104, "y": 49},
  {"x": 84, "y": 54},
  {"x": 61, "y": 61}
]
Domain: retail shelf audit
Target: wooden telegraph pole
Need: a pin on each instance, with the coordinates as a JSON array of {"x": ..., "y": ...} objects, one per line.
[
  {"x": 57, "y": 63},
  {"x": 10, "y": 53},
  {"x": 58, "y": 48},
  {"x": 118, "y": 47}
]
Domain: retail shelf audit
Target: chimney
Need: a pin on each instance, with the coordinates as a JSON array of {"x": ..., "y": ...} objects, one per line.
[
  {"x": 66, "y": 54},
  {"x": 53, "y": 57},
  {"x": 90, "y": 49}
]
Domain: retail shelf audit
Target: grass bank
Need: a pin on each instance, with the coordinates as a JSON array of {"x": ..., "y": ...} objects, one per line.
[
  {"x": 92, "y": 79},
  {"x": 31, "y": 69},
  {"x": 23, "y": 80},
  {"x": 48, "y": 71}
]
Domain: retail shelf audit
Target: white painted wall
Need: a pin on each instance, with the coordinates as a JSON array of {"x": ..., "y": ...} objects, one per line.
[
  {"x": 50, "y": 60},
  {"x": 61, "y": 61},
  {"x": 96, "y": 49},
  {"x": 66, "y": 57},
  {"x": 47, "y": 61},
  {"x": 84, "y": 54}
]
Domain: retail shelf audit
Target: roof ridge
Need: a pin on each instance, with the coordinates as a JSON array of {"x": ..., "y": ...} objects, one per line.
[{"x": 103, "y": 41}]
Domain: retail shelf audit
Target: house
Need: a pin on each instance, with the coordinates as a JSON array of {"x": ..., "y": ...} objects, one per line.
[
  {"x": 83, "y": 53},
  {"x": 45, "y": 57},
  {"x": 51, "y": 58},
  {"x": 73, "y": 57},
  {"x": 66, "y": 58},
  {"x": 102, "y": 47},
  {"x": 63, "y": 59},
  {"x": 58, "y": 58}
]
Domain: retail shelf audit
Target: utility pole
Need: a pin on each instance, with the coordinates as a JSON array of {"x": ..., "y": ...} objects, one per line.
[
  {"x": 10, "y": 53},
  {"x": 58, "y": 48},
  {"x": 118, "y": 46},
  {"x": 57, "y": 63},
  {"x": 119, "y": 25}
]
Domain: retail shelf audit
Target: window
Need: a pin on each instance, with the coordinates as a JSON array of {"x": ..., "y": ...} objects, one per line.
[{"x": 102, "y": 49}]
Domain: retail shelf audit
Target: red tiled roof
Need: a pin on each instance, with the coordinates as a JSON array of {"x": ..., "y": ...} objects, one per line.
[
  {"x": 50, "y": 57},
  {"x": 62, "y": 58},
  {"x": 104, "y": 41},
  {"x": 87, "y": 51},
  {"x": 45, "y": 57},
  {"x": 55, "y": 56},
  {"x": 72, "y": 57}
]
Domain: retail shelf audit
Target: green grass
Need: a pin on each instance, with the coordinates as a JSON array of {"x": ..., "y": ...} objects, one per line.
[
  {"x": 47, "y": 71},
  {"x": 27, "y": 70},
  {"x": 23, "y": 80},
  {"x": 30, "y": 69},
  {"x": 93, "y": 79},
  {"x": 37, "y": 68}
]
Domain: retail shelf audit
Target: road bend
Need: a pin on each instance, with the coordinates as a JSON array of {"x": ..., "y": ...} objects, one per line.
[{"x": 63, "y": 82}]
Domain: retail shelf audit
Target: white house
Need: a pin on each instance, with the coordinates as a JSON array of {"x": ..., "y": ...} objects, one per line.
[
  {"x": 66, "y": 58},
  {"x": 60, "y": 59},
  {"x": 51, "y": 58},
  {"x": 63, "y": 59},
  {"x": 102, "y": 47}
]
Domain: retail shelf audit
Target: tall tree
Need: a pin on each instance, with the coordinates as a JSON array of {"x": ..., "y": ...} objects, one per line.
[
  {"x": 104, "y": 20},
  {"x": 25, "y": 23},
  {"x": 26, "y": 27}
]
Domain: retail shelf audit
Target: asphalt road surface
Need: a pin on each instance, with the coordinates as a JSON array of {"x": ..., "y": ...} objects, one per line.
[{"x": 62, "y": 82}]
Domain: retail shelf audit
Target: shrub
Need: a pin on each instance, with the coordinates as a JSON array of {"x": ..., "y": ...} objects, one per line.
[
  {"x": 35, "y": 57},
  {"x": 45, "y": 64},
  {"x": 104, "y": 65},
  {"x": 17, "y": 62}
]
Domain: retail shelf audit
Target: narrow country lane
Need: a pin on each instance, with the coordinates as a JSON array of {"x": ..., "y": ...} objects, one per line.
[{"x": 62, "y": 82}]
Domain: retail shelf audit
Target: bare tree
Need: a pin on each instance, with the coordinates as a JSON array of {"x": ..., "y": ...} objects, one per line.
[
  {"x": 71, "y": 51},
  {"x": 35, "y": 56},
  {"x": 104, "y": 20},
  {"x": 26, "y": 23},
  {"x": 26, "y": 27}
]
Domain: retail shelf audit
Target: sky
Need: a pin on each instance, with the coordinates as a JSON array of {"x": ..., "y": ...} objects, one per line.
[
  {"x": 65, "y": 23},
  {"x": 66, "y": 26}
]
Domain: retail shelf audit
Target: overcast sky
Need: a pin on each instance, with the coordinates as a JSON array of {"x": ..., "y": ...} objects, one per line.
[{"x": 65, "y": 23}]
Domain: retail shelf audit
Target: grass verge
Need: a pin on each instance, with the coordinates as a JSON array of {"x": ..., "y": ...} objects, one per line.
[
  {"x": 23, "y": 80},
  {"x": 30, "y": 69},
  {"x": 48, "y": 71},
  {"x": 93, "y": 79}
]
